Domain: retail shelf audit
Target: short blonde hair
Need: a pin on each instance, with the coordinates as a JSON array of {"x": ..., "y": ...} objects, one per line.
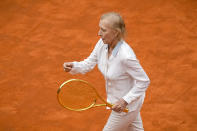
[{"x": 117, "y": 23}]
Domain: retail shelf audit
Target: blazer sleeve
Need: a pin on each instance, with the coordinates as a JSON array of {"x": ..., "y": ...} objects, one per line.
[
  {"x": 134, "y": 69},
  {"x": 87, "y": 64}
]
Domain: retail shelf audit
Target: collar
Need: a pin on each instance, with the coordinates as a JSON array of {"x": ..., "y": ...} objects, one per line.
[{"x": 116, "y": 48}]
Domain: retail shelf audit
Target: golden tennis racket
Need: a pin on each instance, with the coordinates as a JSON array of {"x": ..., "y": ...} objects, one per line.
[{"x": 79, "y": 95}]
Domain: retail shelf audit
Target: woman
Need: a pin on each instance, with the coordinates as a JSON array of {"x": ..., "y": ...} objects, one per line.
[{"x": 126, "y": 81}]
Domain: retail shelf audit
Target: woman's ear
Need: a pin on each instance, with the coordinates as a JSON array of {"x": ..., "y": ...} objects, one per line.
[{"x": 116, "y": 33}]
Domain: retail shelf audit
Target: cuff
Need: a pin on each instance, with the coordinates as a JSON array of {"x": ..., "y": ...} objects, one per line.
[{"x": 128, "y": 98}]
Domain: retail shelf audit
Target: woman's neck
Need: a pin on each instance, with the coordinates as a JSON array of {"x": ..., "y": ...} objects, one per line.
[{"x": 112, "y": 45}]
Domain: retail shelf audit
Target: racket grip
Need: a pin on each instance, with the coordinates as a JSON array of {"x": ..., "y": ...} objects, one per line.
[{"x": 126, "y": 110}]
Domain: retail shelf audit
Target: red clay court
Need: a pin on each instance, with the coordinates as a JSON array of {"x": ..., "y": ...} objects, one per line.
[{"x": 38, "y": 36}]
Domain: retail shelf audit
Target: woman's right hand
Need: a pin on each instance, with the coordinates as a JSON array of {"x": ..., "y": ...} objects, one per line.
[{"x": 68, "y": 66}]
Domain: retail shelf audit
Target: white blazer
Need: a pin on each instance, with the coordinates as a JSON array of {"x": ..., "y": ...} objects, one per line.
[{"x": 124, "y": 76}]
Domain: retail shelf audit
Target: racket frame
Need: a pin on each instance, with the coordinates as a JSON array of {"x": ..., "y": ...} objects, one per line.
[{"x": 90, "y": 106}]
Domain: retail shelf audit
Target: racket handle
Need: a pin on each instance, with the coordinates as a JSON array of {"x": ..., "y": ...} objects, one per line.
[{"x": 126, "y": 110}]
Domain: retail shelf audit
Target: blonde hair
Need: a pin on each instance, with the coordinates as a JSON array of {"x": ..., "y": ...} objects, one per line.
[{"x": 117, "y": 23}]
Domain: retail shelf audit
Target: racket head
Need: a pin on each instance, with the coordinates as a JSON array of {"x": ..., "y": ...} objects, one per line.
[{"x": 77, "y": 95}]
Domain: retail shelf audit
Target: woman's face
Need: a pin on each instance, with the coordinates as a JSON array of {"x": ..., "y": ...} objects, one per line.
[{"x": 107, "y": 34}]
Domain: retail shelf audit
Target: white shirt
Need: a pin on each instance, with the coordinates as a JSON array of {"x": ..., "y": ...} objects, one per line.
[{"x": 124, "y": 76}]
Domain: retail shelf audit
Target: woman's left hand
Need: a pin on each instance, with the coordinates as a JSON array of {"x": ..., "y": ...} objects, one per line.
[{"x": 119, "y": 106}]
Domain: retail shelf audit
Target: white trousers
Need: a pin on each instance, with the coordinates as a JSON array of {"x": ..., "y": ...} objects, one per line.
[{"x": 124, "y": 122}]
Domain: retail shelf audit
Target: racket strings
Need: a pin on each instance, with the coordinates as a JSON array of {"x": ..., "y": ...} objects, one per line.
[{"x": 77, "y": 95}]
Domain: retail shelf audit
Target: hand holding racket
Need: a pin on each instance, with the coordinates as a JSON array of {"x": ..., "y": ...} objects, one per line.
[
  {"x": 79, "y": 95},
  {"x": 120, "y": 105}
]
